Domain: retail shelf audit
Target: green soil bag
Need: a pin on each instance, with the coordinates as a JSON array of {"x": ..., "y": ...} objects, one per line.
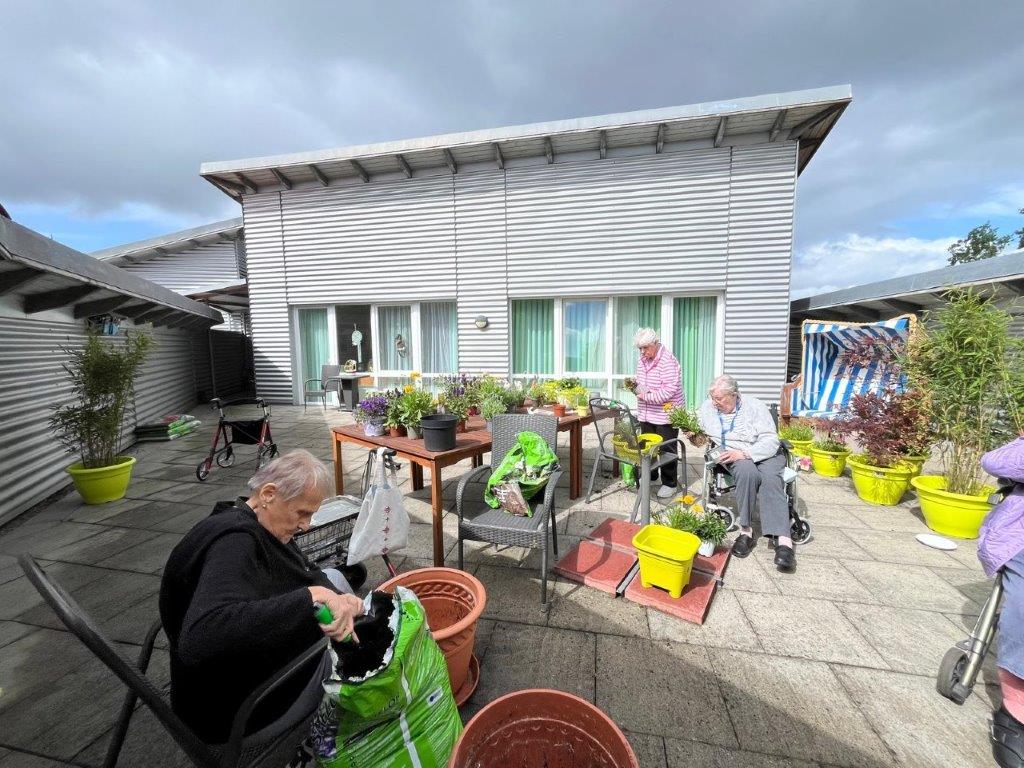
[
  {"x": 530, "y": 462},
  {"x": 402, "y": 715}
]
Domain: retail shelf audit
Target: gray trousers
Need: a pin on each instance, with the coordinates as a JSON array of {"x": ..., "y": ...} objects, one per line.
[{"x": 761, "y": 484}]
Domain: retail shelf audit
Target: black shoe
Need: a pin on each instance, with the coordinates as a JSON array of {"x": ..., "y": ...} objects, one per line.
[
  {"x": 785, "y": 558},
  {"x": 1007, "y": 736},
  {"x": 743, "y": 545}
]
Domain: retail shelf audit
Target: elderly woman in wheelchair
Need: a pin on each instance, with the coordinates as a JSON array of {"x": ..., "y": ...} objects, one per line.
[{"x": 746, "y": 457}]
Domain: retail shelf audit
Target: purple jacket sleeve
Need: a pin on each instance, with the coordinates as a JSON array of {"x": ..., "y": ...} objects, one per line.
[{"x": 1006, "y": 461}]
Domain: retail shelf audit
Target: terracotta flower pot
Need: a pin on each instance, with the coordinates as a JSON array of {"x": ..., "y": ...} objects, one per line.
[
  {"x": 460, "y": 426},
  {"x": 397, "y": 432},
  {"x": 535, "y": 728},
  {"x": 453, "y": 600},
  {"x": 558, "y": 409},
  {"x": 473, "y": 411}
]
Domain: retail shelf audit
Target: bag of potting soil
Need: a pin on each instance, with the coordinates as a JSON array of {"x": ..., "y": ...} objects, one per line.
[
  {"x": 389, "y": 703},
  {"x": 529, "y": 462}
]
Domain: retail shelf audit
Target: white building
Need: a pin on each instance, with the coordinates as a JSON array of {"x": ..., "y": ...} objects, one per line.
[{"x": 537, "y": 249}]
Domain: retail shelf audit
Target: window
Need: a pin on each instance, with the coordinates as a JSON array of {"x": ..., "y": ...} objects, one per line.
[
  {"x": 533, "y": 337},
  {"x": 584, "y": 334},
  {"x": 631, "y": 314},
  {"x": 694, "y": 322},
  {"x": 439, "y": 338},
  {"x": 393, "y": 345},
  {"x": 420, "y": 337}
]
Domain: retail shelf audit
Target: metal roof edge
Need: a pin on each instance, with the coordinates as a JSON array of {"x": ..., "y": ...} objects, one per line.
[
  {"x": 784, "y": 100},
  {"x": 1007, "y": 266},
  {"x": 32, "y": 249},
  {"x": 169, "y": 239}
]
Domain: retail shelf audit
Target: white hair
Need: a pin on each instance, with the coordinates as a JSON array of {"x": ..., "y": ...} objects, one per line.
[
  {"x": 645, "y": 336},
  {"x": 725, "y": 383},
  {"x": 294, "y": 473}
]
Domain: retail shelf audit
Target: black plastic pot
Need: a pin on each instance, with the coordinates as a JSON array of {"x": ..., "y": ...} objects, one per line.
[{"x": 439, "y": 432}]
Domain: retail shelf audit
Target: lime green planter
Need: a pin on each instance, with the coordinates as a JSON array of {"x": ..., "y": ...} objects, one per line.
[
  {"x": 828, "y": 463},
  {"x": 879, "y": 485},
  {"x": 951, "y": 514},
  {"x": 801, "y": 447},
  {"x": 98, "y": 486},
  {"x": 917, "y": 462}
]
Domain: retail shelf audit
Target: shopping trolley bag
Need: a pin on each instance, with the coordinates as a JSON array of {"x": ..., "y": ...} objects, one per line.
[{"x": 383, "y": 524}]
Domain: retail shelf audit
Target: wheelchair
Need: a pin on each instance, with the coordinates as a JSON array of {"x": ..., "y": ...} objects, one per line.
[{"x": 718, "y": 482}]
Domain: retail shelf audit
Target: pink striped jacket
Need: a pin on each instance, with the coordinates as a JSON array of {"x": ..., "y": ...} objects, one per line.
[{"x": 661, "y": 381}]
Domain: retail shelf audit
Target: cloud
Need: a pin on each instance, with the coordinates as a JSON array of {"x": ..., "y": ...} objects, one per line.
[{"x": 854, "y": 260}]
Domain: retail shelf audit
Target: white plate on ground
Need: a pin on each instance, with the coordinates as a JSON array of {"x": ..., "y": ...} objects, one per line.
[{"x": 936, "y": 542}]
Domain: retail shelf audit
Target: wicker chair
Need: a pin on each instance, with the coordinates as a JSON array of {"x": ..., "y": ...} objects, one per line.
[
  {"x": 270, "y": 747},
  {"x": 606, "y": 412},
  {"x": 478, "y": 522}
]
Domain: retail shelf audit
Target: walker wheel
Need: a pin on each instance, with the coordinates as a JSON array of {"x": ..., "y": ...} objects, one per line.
[
  {"x": 226, "y": 459},
  {"x": 203, "y": 470},
  {"x": 951, "y": 671},
  {"x": 355, "y": 575},
  {"x": 801, "y": 531}
]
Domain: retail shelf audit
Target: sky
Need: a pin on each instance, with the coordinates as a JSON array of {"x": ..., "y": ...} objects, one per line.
[{"x": 111, "y": 107}]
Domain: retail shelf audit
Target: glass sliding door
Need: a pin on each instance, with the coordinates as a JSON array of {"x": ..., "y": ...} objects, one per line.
[
  {"x": 694, "y": 330},
  {"x": 394, "y": 332},
  {"x": 584, "y": 326},
  {"x": 440, "y": 341},
  {"x": 533, "y": 337},
  {"x": 631, "y": 314},
  {"x": 314, "y": 341}
]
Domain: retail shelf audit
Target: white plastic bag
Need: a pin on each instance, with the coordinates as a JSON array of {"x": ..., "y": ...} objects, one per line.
[{"x": 383, "y": 524}]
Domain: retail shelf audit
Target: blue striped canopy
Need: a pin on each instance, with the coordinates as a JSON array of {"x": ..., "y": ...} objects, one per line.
[{"x": 828, "y": 381}]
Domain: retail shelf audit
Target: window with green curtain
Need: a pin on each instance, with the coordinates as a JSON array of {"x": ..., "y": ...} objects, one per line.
[
  {"x": 631, "y": 314},
  {"x": 395, "y": 354},
  {"x": 584, "y": 329},
  {"x": 439, "y": 350},
  {"x": 693, "y": 342},
  {"x": 313, "y": 341},
  {"x": 533, "y": 336}
]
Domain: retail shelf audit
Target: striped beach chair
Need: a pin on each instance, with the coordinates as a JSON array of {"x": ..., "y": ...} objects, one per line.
[{"x": 827, "y": 381}]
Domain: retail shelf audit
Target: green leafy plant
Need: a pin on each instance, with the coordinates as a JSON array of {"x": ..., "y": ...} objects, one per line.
[
  {"x": 414, "y": 405},
  {"x": 393, "y": 414},
  {"x": 693, "y": 519},
  {"x": 458, "y": 405},
  {"x": 102, "y": 374},
  {"x": 797, "y": 430},
  {"x": 537, "y": 393},
  {"x": 491, "y": 407},
  {"x": 828, "y": 436},
  {"x": 513, "y": 397}
]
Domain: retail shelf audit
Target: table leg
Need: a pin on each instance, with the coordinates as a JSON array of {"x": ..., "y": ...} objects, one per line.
[
  {"x": 575, "y": 461},
  {"x": 436, "y": 502},
  {"x": 417, "y": 476},
  {"x": 339, "y": 473}
]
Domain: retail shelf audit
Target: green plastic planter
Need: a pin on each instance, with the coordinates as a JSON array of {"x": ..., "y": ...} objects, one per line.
[{"x": 103, "y": 484}]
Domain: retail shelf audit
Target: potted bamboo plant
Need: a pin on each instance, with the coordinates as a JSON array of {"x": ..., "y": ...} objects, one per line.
[
  {"x": 828, "y": 450},
  {"x": 965, "y": 363},
  {"x": 101, "y": 375}
]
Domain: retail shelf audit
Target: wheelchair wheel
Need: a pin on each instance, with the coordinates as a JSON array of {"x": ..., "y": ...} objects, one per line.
[
  {"x": 226, "y": 459},
  {"x": 951, "y": 670},
  {"x": 726, "y": 514},
  {"x": 203, "y": 470},
  {"x": 801, "y": 531}
]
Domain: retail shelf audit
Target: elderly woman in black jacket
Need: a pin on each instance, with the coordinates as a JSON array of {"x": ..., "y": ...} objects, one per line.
[{"x": 237, "y": 596}]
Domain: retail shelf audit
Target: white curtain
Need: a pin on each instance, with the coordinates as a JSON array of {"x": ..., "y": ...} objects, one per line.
[
  {"x": 584, "y": 335},
  {"x": 438, "y": 327},
  {"x": 394, "y": 331}
]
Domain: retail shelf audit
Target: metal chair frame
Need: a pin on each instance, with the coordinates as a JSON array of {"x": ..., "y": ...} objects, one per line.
[{"x": 328, "y": 373}]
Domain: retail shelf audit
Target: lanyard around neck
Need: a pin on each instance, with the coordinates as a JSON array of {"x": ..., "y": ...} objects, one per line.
[{"x": 721, "y": 423}]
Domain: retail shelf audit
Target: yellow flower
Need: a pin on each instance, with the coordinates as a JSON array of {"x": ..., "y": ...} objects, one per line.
[
  {"x": 667, "y": 407},
  {"x": 415, "y": 375},
  {"x": 697, "y": 509},
  {"x": 408, "y": 388},
  {"x": 689, "y": 499}
]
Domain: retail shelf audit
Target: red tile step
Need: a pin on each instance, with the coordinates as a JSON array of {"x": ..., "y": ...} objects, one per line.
[
  {"x": 714, "y": 565},
  {"x": 691, "y": 606},
  {"x": 595, "y": 565},
  {"x": 618, "y": 534}
]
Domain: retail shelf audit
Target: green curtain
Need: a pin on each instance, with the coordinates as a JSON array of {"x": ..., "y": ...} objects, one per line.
[
  {"x": 584, "y": 323},
  {"x": 693, "y": 342},
  {"x": 533, "y": 336},
  {"x": 440, "y": 347},
  {"x": 313, "y": 340},
  {"x": 631, "y": 314},
  {"x": 395, "y": 354}
]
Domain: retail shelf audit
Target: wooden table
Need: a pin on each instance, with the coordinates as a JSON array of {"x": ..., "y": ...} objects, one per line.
[{"x": 471, "y": 444}]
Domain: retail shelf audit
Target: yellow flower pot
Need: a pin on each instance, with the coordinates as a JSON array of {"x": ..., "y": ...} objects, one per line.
[
  {"x": 917, "y": 462},
  {"x": 951, "y": 514},
  {"x": 879, "y": 485},
  {"x": 666, "y": 557},
  {"x": 828, "y": 463},
  {"x": 801, "y": 447},
  {"x": 646, "y": 442},
  {"x": 103, "y": 484}
]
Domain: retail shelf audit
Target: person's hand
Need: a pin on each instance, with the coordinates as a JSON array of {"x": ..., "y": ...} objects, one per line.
[
  {"x": 641, "y": 394},
  {"x": 344, "y": 608},
  {"x": 728, "y": 457}
]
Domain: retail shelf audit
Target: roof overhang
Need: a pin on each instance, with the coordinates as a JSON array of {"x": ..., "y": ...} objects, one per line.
[
  {"x": 804, "y": 116},
  {"x": 46, "y": 275},
  {"x": 144, "y": 250},
  {"x": 1001, "y": 277}
]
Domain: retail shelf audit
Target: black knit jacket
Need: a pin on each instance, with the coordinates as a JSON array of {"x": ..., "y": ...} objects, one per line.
[{"x": 236, "y": 608}]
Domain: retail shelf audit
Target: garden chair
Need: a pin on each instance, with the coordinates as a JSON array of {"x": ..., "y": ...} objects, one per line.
[
  {"x": 828, "y": 381},
  {"x": 272, "y": 746},
  {"x": 606, "y": 413},
  {"x": 318, "y": 388},
  {"x": 478, "y": 522}
]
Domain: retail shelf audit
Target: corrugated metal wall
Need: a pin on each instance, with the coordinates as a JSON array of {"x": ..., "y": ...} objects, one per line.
[
  {"x": 481, "y": 272},
  {"x": 761, "y": 197},
  {"x": 191, "y": 270},
  {"x": 32, "y": 381}
]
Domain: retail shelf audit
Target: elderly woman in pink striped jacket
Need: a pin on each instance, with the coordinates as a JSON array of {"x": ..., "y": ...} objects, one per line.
[{"x": 659, "y": 381}]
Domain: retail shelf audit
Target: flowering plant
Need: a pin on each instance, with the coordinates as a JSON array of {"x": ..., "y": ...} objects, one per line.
[
  {"x": 414, "y": 405},
  {"x": 687, "y": 422},
  {"x": 687, "y": 515},
  {"x": 372, "y": 409}
]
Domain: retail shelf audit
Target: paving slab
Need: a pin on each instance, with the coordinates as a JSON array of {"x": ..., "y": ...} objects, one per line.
[
  {"x": 599, "y": 567},
  {"x": 889, "y": 519},
  {"x": 726, "y": 626},
  {"x": 795, "y": 708},
  {"x": 831, "y": 515},
  {"x": 916, "y": 723},
  {"x": 661, "y": 688},
  {"x": 108, "y": 543},
  {"x": 649, "y": 749},
  {"x": 41, "y": 538},
  {"x": 807, "y": 628},
  {"x": 576, "y": 606},
  {"x": 18, "y": 759},
  {"x": 95, "y": 513},
  {"x": 829, "y": 542},
  {"x": 18, "y": 595},
  {"x": 147, "y": 557},
  {"x": 748, "y": 575},
  {"x": 692, "y": 605},
  {"x": 821, "y": 577},
  {"x": 688, "y": 754},
  {"x": 900, "y": 547},
  {"x": 146, "y": 744},
  {"x": 13, "y": 630},
  {"x": 513, "y": 594},
  {"x": 909, "y": 586}
]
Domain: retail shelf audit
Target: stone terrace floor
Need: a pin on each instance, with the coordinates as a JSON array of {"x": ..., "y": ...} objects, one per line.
[{"x": 833, "y": 665}]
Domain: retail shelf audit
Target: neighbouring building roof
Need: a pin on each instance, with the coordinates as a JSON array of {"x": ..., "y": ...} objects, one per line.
[
  {"x": 1001, "y": 276},
  {"x": 144, "y": 250},
  {"x": 807, "y": 116}
]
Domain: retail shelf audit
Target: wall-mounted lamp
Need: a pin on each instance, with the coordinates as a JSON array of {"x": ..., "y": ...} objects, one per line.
[{"x": 481, "y": 322}]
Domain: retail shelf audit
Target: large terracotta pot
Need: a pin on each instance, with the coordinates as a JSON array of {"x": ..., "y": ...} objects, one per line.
[
  {"x": 453, "y": 600},
  {"x": 542, "y": 729}
]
